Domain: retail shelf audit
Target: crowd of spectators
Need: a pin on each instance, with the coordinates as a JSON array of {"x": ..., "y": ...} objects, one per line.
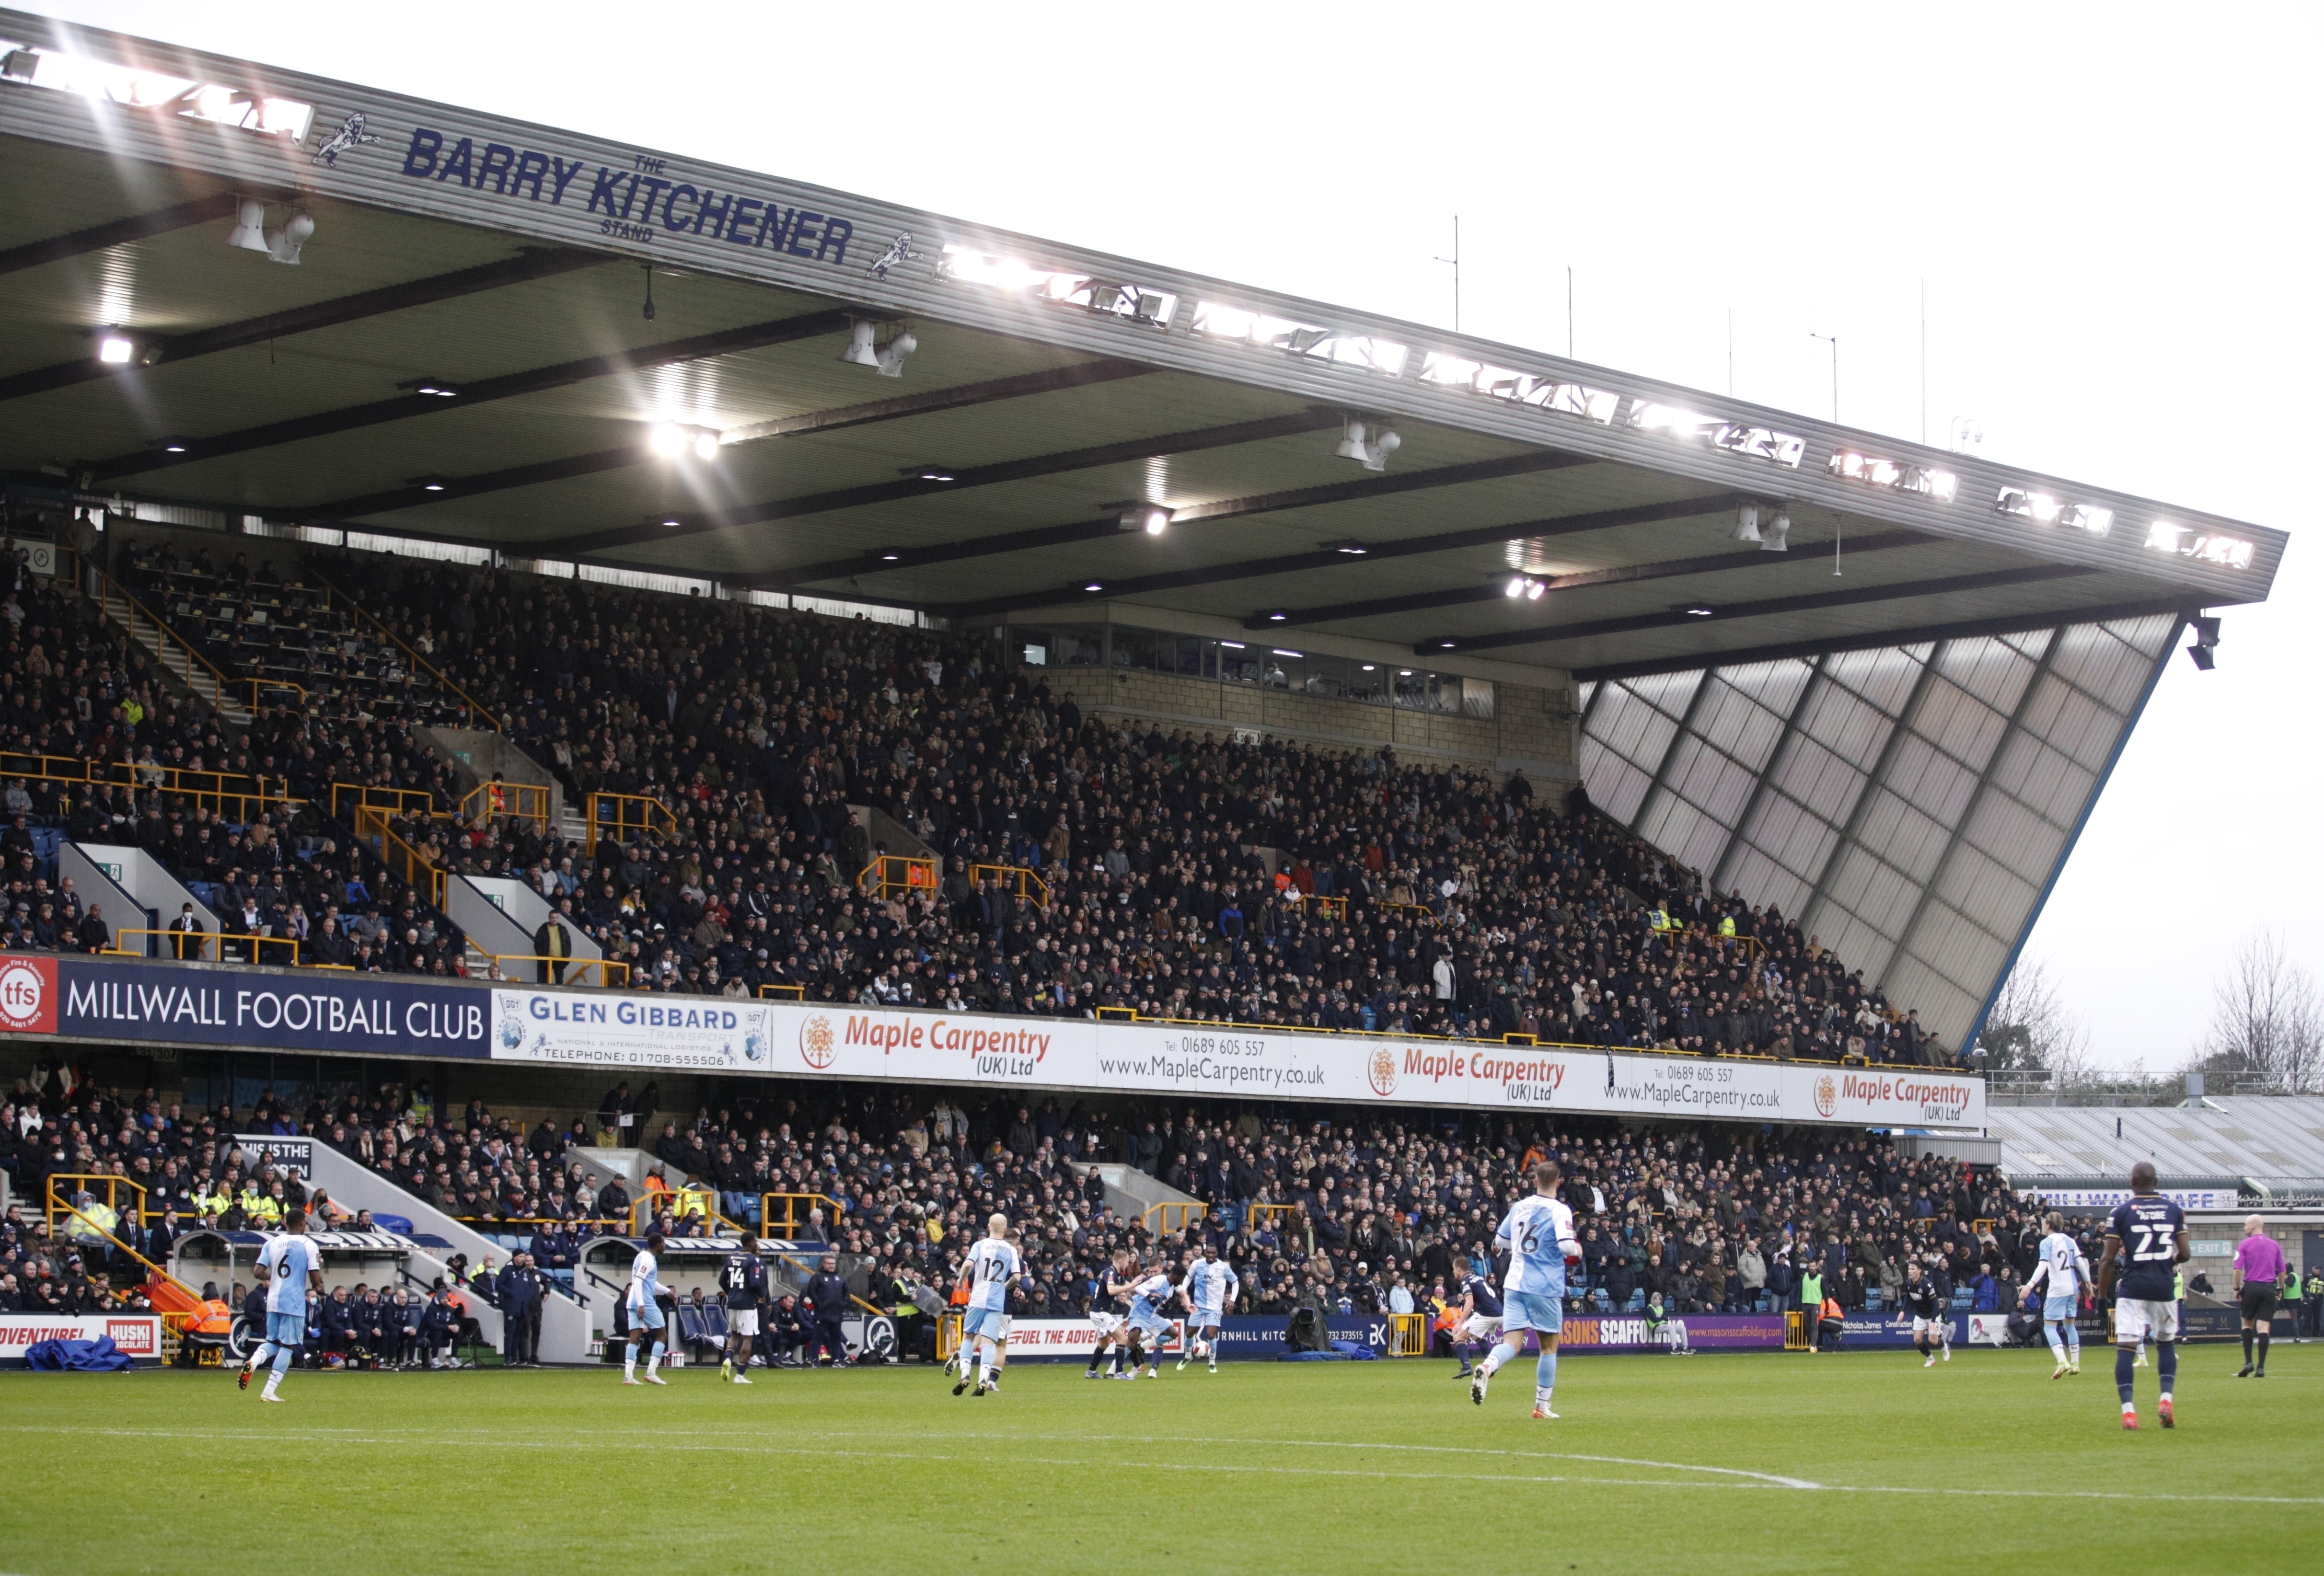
[
  {"x": 94, "y": 746},
  {"x": 1186, "y": 876},
  {"x": 1362, "y": 1217}
]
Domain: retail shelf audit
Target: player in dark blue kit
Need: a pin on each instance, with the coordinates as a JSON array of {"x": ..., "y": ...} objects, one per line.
[
  {"x": 743, "y": 1282},
  {"x": 1480, "y": 1316},
  {"x": 2147, "y": 1236}
]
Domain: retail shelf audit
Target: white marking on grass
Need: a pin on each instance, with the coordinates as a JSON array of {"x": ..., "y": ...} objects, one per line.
[{"x": 1767, "y": 1482}]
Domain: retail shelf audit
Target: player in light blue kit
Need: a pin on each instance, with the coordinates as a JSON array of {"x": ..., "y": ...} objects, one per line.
[
  {"x": 1149, "y": 1326},
  {"x": 991, "y": 1267},
  {"x": 292, "y": 1268},
  {"x": 1209, "y": 1288},
  {"x": 1538, "y": 1236},
  {"x": 2061, "y": 1266},
  {"x": 647, "y": 1321}
]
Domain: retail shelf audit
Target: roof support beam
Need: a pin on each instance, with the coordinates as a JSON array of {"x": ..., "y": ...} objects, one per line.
[
  {"x": 540, "y": 263},
  {"x": 1044, "y": 465},
  {"x": 1497, "y": 590},
  {"x": 507, "y": 386},
  {"x": 117, "y": 232},
  {"x": 1223, "y": 510},
  {"x": 960, "y": 396},
  {"x": 1725, "y": 868},
  {"x": 1882, "y": 639},
  {"x": 1816, "y": 601}
]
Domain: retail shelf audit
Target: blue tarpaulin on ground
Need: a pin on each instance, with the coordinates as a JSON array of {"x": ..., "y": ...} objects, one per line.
[{"x": 99, "y": 1355}]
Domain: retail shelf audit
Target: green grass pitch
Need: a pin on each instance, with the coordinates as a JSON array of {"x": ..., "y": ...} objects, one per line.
[{"x": 1716, "y": 1463}]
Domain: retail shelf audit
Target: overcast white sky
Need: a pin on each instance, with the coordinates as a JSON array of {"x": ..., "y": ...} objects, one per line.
[{"x": 2112, "y": 207}]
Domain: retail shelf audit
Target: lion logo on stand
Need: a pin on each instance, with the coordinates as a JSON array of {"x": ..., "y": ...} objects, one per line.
[
  {"x": 1827, "y": 1095},
  {"x": 815, "y": 1042},
  {"x": 1381, "y": 1070}
]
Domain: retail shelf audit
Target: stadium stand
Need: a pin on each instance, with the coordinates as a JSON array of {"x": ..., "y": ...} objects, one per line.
[
  {"x": 1088, "y": 862},
  {"x": 1321, "y": 1212}
]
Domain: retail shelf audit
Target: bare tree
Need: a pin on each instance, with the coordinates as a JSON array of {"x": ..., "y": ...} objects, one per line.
[
  {"x": 2267, "y": 1021},
  {"x": 2032, "y": 1029}
]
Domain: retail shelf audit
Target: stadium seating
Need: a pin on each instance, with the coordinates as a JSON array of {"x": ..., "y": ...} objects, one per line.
[{"x": 1313, "y": 1214}]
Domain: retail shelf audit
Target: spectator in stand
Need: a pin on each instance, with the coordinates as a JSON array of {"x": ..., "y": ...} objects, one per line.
[{"x": 826, "y": 1301}]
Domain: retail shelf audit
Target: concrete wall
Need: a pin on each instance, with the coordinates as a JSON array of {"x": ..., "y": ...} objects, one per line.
[
  {"x": 501, "y": 917},
  {"x": 143, "y": 896},
  {"x": 475, "y": 753},
  {"x": 1529, "y": 732}
]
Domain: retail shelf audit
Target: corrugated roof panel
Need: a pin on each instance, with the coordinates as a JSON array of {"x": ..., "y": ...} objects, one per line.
[
  {"x": 1959, "y": 724},
  {"x": 1983, "y": 887},
  {"x": 1815, "y": 776},
  {"x": 2101, "y": 664},
  {"x": 1710, "y": 781},
  {"x": 2033, "y": 773},
  {"x": 1766, "y": 881},
  {"x": 1669, "y": 692},
  {"x": 1795, "y": 839},
  {"x": 1677, "y": 827},
  {"x": 1990, "y": 669},
  {"x": 2011, "y": 834},
  {"x": 1875, "y": 892},
  {"x": 1904, "y": 835},
  {"x": 1842, "y": 720},
  {"x": 1884, "y": 678},
  {"x": 1615, "y": 785},
  {"x": 1738, "y": 726},
  {"x": 1636, "y": 731},
  {"x": 2062, "y": 715},
  {"x": 1936, "y": 785}
]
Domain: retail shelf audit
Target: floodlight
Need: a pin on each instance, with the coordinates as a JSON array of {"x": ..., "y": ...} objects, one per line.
[
  {"x": 1533, "y": 589},
  {"x": 705, "y": 446},
  {"x": 429, "y": 484},
  {"x": 2207, "y": 637},
  {"x": 937, "y": 474},
  {"x": 1348, "y": 545},
  {"x": 890, "y": 554},
  {"x": 863, "y": 348},
  {"x": 115, "y": 348},
  {"x": 667, "y": 440},
  {"x": 172, "y": 445},
  {"x": 1776, "y": 535},
  {"x": 670, "y": 522},
  {"x": 292, "y": 235},
  {"x": 1370, "y": 442},
  {"x": 1747, "y": 523},
  {"x": 249, "y": 231},
  {"x": 436, "y": 386},
  {"x": 1094, "y": 585},
  {"x": 1150, "y": 518},
  {"x": 1697, "y": 610},
  {"x": 1278, "y": 617},
  {"x": 1279, "y": 651},
  {"x": 2203, "y": 658}
]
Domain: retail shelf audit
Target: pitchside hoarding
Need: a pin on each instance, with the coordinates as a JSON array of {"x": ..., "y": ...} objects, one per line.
[
  {"x": 138, "y": 1335},
  {"x": 609, "y": 1030},
  {"x": 1246, "y": 1339},
  {"x": 110, "y": 1001},
  {"x": 311, "y": 1009}
]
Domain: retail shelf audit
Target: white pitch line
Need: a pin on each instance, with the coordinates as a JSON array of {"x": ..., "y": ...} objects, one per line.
[{"x": 1767, "y": 1482}]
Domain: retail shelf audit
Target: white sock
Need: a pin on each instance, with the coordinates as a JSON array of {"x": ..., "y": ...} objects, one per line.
[
  {"x": 629, "y": 1362},
  {"x": 273, "y": 1379},
  {"x": 1541, "y": 1395},
  {"x": 653, "y": 1360}
]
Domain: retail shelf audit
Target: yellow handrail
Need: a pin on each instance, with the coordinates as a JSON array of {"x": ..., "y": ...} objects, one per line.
[
  {"x": 1422, "y": 914},
  {"x": 205, "y": 788},
  {"x": 899, "y": 873},
  {"x": 476, "y": 708},
  {"x": 683, "y": 1204},
  {"x": 415, "y": 868},
  {"x": 265, "y": 949},
  {"x": 797, "y": 1207},
  {"x": 131, "y": 610},
  {"x": 1027, "y": 883},
  {"x": 628, "y": 813},
  {"x": 789, "y": 992},
  {"x": 59, "y": 1204},
  {"x": 1188, "y": 1213},
  {"x": 573, "y": 966},
  {"x": 527, "y": 801},
  {"x": 403, "y": 801}
]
